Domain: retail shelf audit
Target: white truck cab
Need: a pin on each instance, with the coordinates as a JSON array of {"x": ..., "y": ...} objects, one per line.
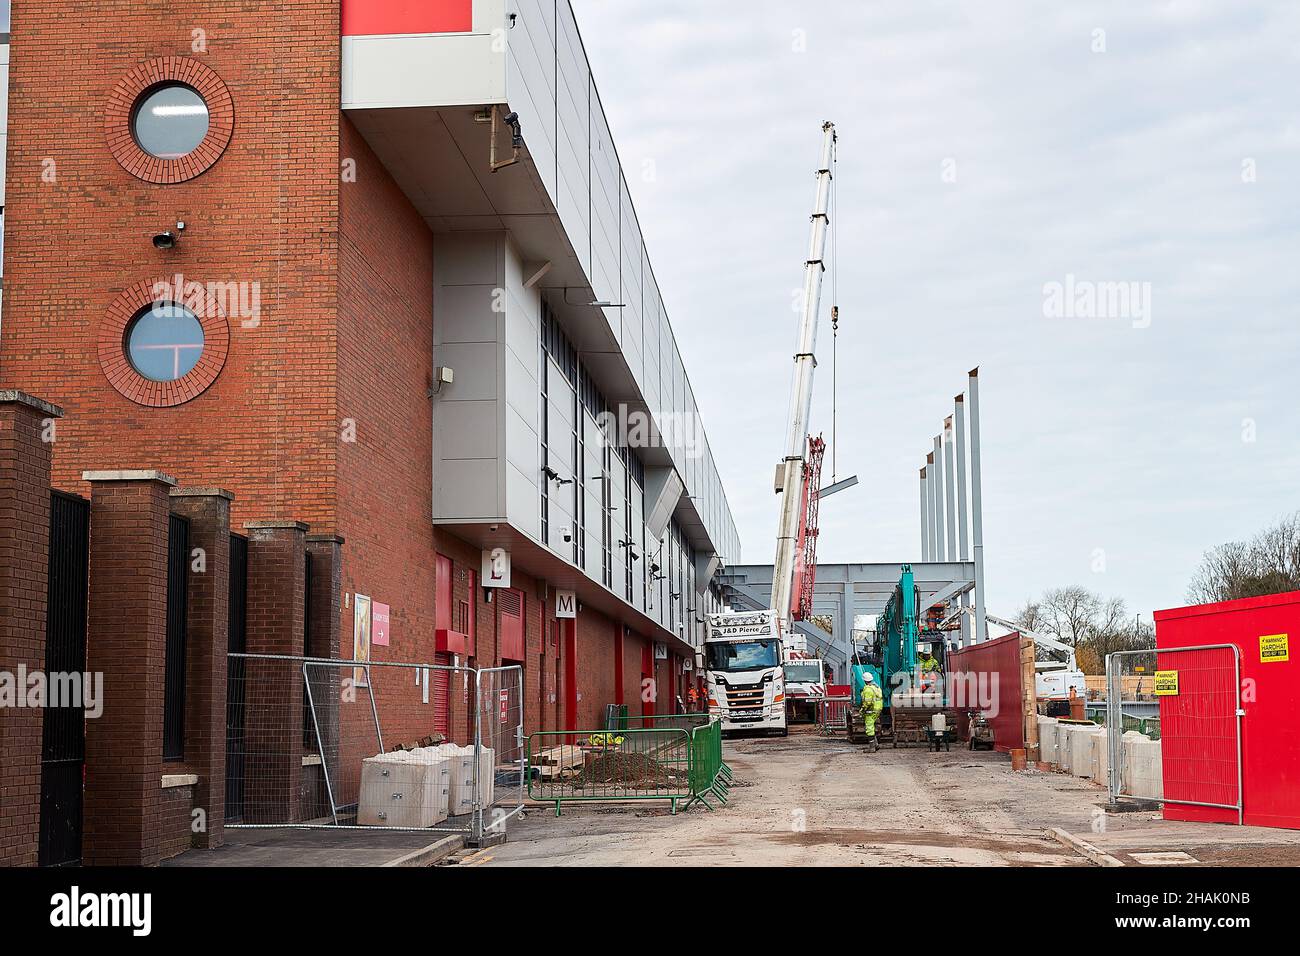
[{"x": 744, "y": 671}]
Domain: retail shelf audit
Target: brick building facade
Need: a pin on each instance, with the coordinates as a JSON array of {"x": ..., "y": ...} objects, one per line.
[{"x": 328, "y": 284}]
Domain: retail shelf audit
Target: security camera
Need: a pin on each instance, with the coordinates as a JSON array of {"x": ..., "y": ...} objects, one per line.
[
  {"x": 170, "y": 238},
  {"x": 516, "y": 133},
  {"x": 567, "y": 535}
]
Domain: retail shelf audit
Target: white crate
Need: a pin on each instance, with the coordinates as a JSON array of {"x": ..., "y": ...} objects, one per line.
[
  {"x": 461, "y": 760},
  {"x": 404, "y": 790}
]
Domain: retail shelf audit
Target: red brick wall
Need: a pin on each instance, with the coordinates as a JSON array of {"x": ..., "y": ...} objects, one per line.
[
  {"x": 24, "y": 556},
  {"x": 385, "y": 349},
  {"x": 265, "y": 213},
  {"x": 174, "y": 821}
]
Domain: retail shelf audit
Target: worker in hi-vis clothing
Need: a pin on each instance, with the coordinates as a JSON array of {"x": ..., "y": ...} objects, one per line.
[
  {"x": 927, "y": 668},
  {"x": 872, "y": 702}
]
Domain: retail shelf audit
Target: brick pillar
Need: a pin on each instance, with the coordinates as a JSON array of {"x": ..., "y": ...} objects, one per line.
[
  {"x": 277, "y": 553},
  {"x": 126, "y": 641},
  {"x": 324, "y": 629},
  {"x": 207, "y": 635},
  {"x": 26, "y": 425}
]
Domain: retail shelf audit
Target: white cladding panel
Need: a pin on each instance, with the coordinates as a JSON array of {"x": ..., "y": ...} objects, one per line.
[{"x": 538, "y": 68}]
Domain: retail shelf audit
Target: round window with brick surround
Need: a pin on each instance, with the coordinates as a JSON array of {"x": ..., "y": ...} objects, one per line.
[
  {"x": 161, "y": 346},
  {"x": 169, "y": 120}
]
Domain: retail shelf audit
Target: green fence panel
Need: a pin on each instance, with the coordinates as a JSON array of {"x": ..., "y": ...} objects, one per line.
[{"x": 677, "y": 758}]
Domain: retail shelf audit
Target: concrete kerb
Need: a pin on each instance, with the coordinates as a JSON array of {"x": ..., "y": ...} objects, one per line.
[
  {"x": 432, "y": 854},
  {"x": 1083, "y": 848}
]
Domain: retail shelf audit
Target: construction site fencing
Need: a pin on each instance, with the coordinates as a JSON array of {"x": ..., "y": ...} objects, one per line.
[
  {"x": 1200, "y": 756},
  {"x": 354, "y": 745},
  {"x": 830, "y": 715},
  {"x": 672, "y": 757}
]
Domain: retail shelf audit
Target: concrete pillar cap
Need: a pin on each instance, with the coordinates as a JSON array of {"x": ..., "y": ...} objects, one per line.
[
  {"x": 276, "y": 526},
  {"x": 325, "y": 539},
  {"x": 128, "y": 475},
  {"x": 202, "y": 493},
  {"x": 12, "y": 396}
]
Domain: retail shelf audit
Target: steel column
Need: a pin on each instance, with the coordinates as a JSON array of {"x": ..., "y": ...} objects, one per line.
[{"x": 977, "y": 506}]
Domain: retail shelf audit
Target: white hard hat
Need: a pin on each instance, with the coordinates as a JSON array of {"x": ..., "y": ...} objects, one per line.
[{"x": 868, "y": 677}]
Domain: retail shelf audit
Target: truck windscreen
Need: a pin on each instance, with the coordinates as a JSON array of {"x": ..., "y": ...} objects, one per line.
[
  {"x": 743, "y": 655},
  {"x": 800, "y": 673}
]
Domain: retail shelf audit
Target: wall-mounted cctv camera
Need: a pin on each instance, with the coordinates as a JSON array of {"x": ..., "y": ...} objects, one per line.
[
  {"x": 169, "y": 239},
  {"x": 567, "y": 534}
]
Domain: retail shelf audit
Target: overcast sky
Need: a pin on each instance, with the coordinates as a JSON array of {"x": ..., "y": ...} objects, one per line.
[{"x": 1129, "y": 163}]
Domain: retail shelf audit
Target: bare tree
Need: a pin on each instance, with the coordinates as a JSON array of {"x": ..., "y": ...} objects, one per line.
[
  {"x": 1268, "y": 563},
  {"x": 1093, "y": 625}
]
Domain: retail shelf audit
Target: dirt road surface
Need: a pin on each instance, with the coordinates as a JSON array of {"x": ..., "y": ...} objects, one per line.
[{"x": 813, "y": 801}]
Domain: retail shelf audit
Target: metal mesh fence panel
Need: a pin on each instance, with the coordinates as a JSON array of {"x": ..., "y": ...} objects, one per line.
[
  {"x": 329, "y": 743},
  {"x": 500, "y": 731},
  {"x": 1199, "y": 734}
]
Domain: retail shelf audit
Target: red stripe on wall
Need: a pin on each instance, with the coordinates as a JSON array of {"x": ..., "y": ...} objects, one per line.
[{"x": 382, "y": 17}]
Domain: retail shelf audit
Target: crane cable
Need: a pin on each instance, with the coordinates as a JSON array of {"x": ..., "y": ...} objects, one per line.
[{"x": 835, "y": 309}]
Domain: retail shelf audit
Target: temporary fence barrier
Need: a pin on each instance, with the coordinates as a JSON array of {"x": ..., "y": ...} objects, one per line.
[
  {"x": 678, "y": 758},
  {"x": 355, "y": 745},
  {"x": 830, "y": 715},
  {"x": 1201, "y": 758}
]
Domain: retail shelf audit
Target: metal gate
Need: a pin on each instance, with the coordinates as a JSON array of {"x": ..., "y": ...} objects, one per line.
[
  {"x": 178, "y": 558},
  {"x": 236, "y": 643},
  {"x": 328, "y": 777},
  {"x": 1200, "y": 726},
  {"x": 63, "y": 738}
]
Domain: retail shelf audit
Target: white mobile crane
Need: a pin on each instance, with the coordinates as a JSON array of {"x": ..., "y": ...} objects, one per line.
[
  {"x": 798, "y": 475},
  {"x": 796, "y": 472},
  {"x": 759, "y": 666}
]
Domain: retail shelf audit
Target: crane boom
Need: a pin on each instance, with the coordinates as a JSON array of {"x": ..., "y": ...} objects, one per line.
[{"x": 791, "y": 469}]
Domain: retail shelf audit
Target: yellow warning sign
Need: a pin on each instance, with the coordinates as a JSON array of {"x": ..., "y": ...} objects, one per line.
[
  {"x": 1166, "y": 683},
  {"x": 1273, "y": 647}
]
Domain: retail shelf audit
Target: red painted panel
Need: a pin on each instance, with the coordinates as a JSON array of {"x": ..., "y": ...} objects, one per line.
[
  {"x": 442, "y": 593},
  {"x": 994, "y": 665},
  {"x": 570, "y": 674},
  {"x": 440, "y": 689},
  {"x": 382, "y": 17},
  {"x": 1270, "y": 699},
  {"x": 511, "y": 603},
  {"x": 648, "y": 674},
  {"x": 618, "y": 663}
]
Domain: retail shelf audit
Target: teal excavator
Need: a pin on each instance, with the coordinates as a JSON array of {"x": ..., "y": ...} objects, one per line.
[{"x": 892, "y": 662}]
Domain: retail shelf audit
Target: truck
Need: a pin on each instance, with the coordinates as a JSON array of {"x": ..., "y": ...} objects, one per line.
[
  {"x": 744, "y": 671},
  {"x": 805, "y": 686}
]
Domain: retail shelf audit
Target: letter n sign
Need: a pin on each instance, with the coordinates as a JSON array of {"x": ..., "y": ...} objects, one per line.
[{"x": 566, "y": 605}]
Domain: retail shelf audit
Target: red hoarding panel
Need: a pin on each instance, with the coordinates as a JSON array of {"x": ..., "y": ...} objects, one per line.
[
  {"x": 383, "y": 17},
  {"x": 1198, "y": 733},
  {"x": 987, "y": 677},
  {"x": 1265, "y": 631}
]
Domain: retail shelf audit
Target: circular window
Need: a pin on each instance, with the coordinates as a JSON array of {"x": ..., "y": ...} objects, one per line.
[
  {"x": 162, "y": 351},
  {"x": 170, "y": 121},
  {"x": 164, "y": 341}
]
